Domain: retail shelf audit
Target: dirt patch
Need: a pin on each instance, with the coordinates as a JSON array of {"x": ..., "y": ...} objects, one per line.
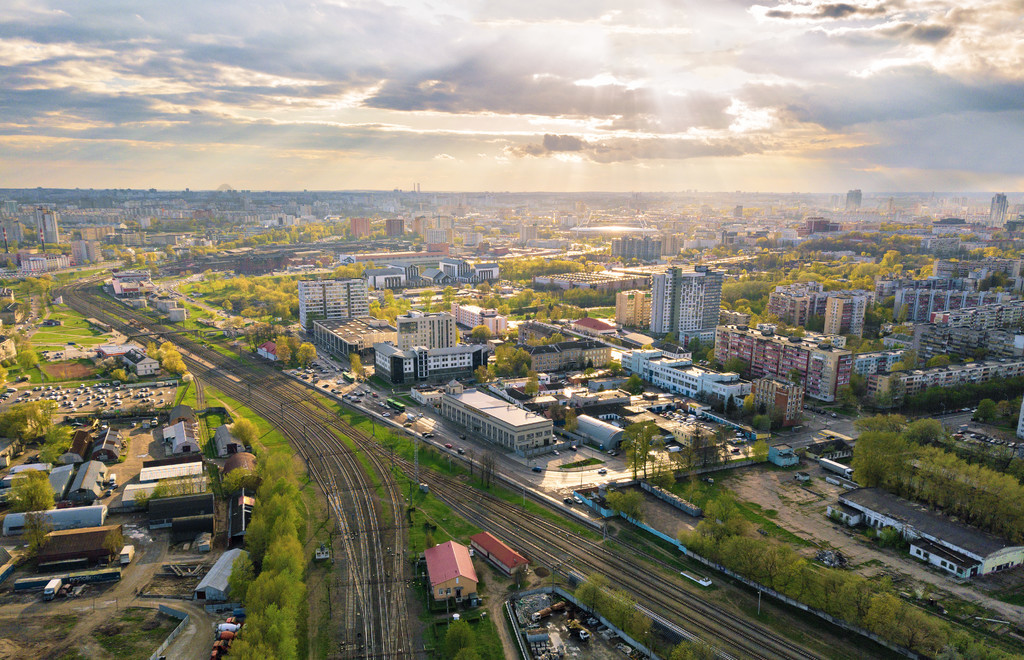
[{"x": 68, "y": 370}]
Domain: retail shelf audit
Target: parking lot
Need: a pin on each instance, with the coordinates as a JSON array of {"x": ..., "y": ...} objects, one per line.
[{"x": 73, "y": 399}]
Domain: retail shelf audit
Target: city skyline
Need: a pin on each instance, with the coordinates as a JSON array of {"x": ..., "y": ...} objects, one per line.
[{"x": 766, "y": 96}]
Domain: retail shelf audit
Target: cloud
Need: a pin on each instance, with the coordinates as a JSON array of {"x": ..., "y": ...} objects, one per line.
[
  {"x": 831, "y": 11},
  {"x": 622, "y": 150}
]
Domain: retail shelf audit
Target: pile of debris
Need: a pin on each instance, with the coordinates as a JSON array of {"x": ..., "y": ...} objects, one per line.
[{"x": 833, "y": 559}]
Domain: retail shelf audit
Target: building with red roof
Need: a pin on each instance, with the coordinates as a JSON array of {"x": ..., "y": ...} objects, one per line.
[
  {"x": 595, "y": 327},
  {"x": 268, "y": 350},
  {"x": 495, "y": 551},
  {"x": 451, "y": 572}
]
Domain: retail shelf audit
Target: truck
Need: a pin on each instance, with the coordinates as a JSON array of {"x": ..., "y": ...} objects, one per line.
[
  {"x": 548, "y": 611},
  {"x": 127, "y": 554},
  {"x": 837, "y": 468},
  {"x": 52, "y": 588}
]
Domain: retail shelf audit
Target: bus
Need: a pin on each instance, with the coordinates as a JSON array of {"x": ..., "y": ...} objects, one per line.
[
  {"x": 396, "y": 404},
  {"x": 349, "y": 378}
]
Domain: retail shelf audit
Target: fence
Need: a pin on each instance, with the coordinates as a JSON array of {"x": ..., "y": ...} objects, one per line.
[{"x": 177, "y": 614}]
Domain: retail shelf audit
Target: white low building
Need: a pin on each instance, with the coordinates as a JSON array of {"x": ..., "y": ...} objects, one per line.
[
  {"x": 496, "y": 421},
  {"x": 681, "y": 376}
]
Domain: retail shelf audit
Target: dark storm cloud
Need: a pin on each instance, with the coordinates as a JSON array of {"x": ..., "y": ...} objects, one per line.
[
  {"x": 926, "y": 33},
  {"x": 832, "y": 11}
]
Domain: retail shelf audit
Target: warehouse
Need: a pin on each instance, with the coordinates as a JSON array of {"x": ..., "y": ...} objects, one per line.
[
  {"x": 76, "y": 548},
  {"x": 226, "y": 443},
  {"x": 451, "y": 572},
  {"x": 81, "y": 443},
  {"x": 356, "y": 335},
  {"x": 493, "y": 550},
  {"x": 165, "y": 510},
  {"x": 57, "y": 519},
  {"x": 171, "y": 468},
  {"x": 107, "y": 447},
  {"x": 599, "y": 432},
  {"x": 214, "y": 585},
  {"x": 934, "y": 538},
  {"x": 89, "y": 482},
  {"x": 496, "y": 420},
  {"x": 60, "y": 479}
]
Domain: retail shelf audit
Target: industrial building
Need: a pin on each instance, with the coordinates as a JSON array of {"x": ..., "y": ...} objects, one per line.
[
  {"x": 164, "y": 511},
  {"x": 75, "y": 548},
  {"x": 489, "y": 547},
  {"x": 496, "y": 420},
  {"x": 451, "y": 573},
  {"x": 934, "y": 538},
  {"x": 89, "y": 482},
  {"x": 226, "y": 443},
  {"x": 214, "y": 585},
  {"x": 58, "y": 519},
  {"x": 598, "y": 432}
]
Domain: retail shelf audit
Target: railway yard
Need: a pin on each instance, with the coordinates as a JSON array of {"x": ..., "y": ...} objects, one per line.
[{"x": 372, "y": 604}]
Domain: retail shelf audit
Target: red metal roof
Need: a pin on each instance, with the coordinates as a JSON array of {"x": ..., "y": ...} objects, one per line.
[
  {"x": 269, "y": 347},
  {"x": 593, "y": 324},
  {"x": 447, "y": 561},
  {"x": 498, "y": 550}
]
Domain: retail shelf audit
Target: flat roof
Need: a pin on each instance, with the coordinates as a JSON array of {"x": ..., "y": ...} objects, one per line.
[
  {"x": 497, "y": 408},
  {"x": 926, "y": 521}
]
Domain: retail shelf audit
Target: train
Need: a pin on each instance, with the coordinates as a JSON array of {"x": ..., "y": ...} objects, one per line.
[{"x": 838, "y": 468}]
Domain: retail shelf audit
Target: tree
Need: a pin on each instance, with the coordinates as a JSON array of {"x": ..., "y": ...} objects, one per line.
[
  {"x": 760, "y": 451},
  {"x": 242, "y": 575},
  {"x": 119, "y": 374},
  {"x": 986, "y": 411},
  {"x": 459, "y": 636},
  {"x": 35, "y": 531},
  {"x": 239, "y": 479},
  {"x": 532, "y": 386},
  {"x": 448, "y": 297},
  {"x": 284, "y": 351},
  {"x": 938, "y": 361},
  {"x": 634, "y": 384},
  {"x": 480, "y": 334},
  {"x": 245, "y": 431},
  {"x": 571, "y": 422},
  {"x": 761, "y": 422},
  {"x": 28, "y": 420},
  {"x": 748, "y": 405},
  {"x": 482, "y": 374},
  {"x": 737, "y": 365},
  {"x": 31, "y": 492},
  {"x": 306, "y": 354},
  {"x": 113, "y": 542},
  {"x": 637, "y": 441},
  {"x": 356, "y": 364},
  {"x": 57, "y": 441}
]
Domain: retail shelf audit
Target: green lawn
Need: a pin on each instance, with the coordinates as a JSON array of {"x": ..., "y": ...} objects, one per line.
[
  {"x": 73, "y": 328},
  {"x": 601, "y": 312},
  {"x": 583, "y": 463}
]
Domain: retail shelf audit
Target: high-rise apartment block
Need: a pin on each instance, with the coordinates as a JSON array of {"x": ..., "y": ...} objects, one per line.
[
  {"x": 844, "y": 314},
  {"x": 997, "y": 211},
  {"x": 83, "y": 252},
  {"x": 527, "y": 232},
  {"x": 633, "y": 309},
  {"x": 853, "y": 200},
  {"x": 431, "y": 330},
  {"x": 47, "y": 224},
  {"x": 686, "y": 302},
  {"x": 359, "y": 227},
  {"x": 394, "y": 226},
  {"x": 821, "y": 367},
  {"x": 332, "y": 299},
  {"x": 642, "y": 249}
]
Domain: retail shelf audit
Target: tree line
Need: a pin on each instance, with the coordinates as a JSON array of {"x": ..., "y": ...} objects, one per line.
[{"x": 898, "y": 457}]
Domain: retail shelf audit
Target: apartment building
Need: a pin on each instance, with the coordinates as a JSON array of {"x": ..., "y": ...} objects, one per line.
[
  {"x": 823, "y": 367},
  {"x": 642, "y": 249},
  {"x": 876, "y": 362},
  {"x": 908, "y": 383},
  {"x": 633, "y": 308},
  {"x": 796, "y": 303},
  {"x": 844, "y": 314},
  {"x": 470, "y": 316},
  {"x": 918, "y": 304},
  {"x": 952, "y": 269},
  {"x": 983, "y": 317},
  {"x": 931, "y": 340},
  {"x": 394, "y": 226},
  {"x": 359, "y": 227},
  {"x": 332, "y": 299},
  {"x": 785, "y": 396},
  {"x": 436, "y": 330},
  {"x": 686, "y": 302}
]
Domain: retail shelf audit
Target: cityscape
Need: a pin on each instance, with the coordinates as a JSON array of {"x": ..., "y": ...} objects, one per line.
[{"x": 485, "y": 331}]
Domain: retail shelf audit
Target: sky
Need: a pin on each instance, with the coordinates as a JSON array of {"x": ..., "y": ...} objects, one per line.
[{"x": 589, "y": 95}]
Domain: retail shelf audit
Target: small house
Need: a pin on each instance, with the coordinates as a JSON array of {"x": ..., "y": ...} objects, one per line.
[
  {"x": 783, "y": 456},
  {"x": 268, "y": 351},
  {"x": 451, "y": 572}
]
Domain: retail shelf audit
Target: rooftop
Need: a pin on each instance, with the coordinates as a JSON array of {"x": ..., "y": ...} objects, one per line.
[
  {"x": 494, "y": 407},
  {"x": 447, "y": 561},
  {"x": 497, "y": 549}
]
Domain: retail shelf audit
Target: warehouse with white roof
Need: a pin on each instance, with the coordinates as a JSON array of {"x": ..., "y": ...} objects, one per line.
[{"x": 496, "y": 420}]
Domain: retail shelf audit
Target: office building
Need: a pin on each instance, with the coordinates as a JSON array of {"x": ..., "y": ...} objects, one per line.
[
  {"x": 686, "y": 302},
  {"x": 332, "y": 299},
  {"x": 435, "y": 330},
  {"x": 394, "y": 226},
  {"x": 681, "y": 376},
  {"x": 359, "y": 227},
  {"x": 420, "y": 363},
  {"x": 496, "y": 421},
  {"x": 47, "y": 225},
  {"x": 642, "y": 249},
  {"x": 853, "y": 200},
  {"x": 633, "y": 309},
  {"x": 822, "y": 366},
  {"x": 569, "y": 355},
  {"x": 356, "y": 335},
  {"x": 459, "y": 270},
  {"x": 997, "y": 210}
]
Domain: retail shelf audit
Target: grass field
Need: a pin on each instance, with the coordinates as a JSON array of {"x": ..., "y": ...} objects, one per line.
[
  {"x": 601, "y": 312},
  {"x": 73, "y": 328},
  {"x": 68, "y": 370}
]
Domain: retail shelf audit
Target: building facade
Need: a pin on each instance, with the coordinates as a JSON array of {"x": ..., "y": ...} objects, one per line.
[
  {"x": 681, "y": 376},
  {"x": 420, "y": 363},
  {"x": 470, "y": 316},
  {"x": 633, "y": 308},
  {"x": 436, "y": 330},
  {"x": 568, "y": 355},
  {"x": 784, "y": 396},
  {"x": 497, "y": 421},
  {"x": 348, "y": 336},
  {"x": 359, "y": 227},
  {"x": 332, "y": 299},
  {"x": 686, "y": 302},
  {"x": 844, "y": 315},
  {"x": 643, "y": 249},
  {"x": 394, "y": 226}
]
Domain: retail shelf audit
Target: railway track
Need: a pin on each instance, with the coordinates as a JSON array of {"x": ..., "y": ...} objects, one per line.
[
  {"x": 369, "y": 598},
  {"x": 545, "y": 542}
]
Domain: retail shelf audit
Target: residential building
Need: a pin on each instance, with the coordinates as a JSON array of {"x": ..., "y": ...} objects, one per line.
[
  {"x": 984, "y": 317},
  {"x": 140, "y": 363},
  {"x": 934, "y": 538},
  {"x": 11, "y": 313},
  {"x": 680, "y": 376},
  {"x": 504, "y": 558},
  {"x": 332, "y": 299},
  {"x": 392, "y": 277},
  {"x": 569, "y": 355},
  {"x": 997, "y": 210},
  {"x": 633, "y": 308},
  {"x": 1020, "y": 421},
  {"x": 729, "y": 317},
  {"x": 853, "y": 200},
  {"x": 918, "y": 304},
  {"x": 844, "y": 315},
  {"x": 470, "y": 316},
  {"x": 527, "y": 233},
  {"x": 496, "y": 421},
  {"x": 949, "y": 268},
  {"x": 643, "y": 249},
  {"x": 908, "y": 383},
  {"x": 438, "y": 236},
  {"x": 47, "y": 223},
  {"x": 420, "y": 363},
  {"x": 8, "y": 350},
  {"x": 686, "y": 302},
  {"x": 930, "y": 340},
  {"x": 876, "y": 362},
  {"x": 359, "y": 227},
  {"x": 822, "y": 366},
  {"x": 356, "y": 335},
  {"x": 394, "y": 226},
  {"x": 784, "y": 397},
  {"x": 450, "y": 571},
  {"x": 84, "y": 252},
  {"x": 433, "y": 330}
]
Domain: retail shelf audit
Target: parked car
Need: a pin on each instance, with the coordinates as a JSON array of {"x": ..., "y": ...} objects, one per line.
[
  {"x": 447, "y": 445},
  {"x": 537, "y": 468}
]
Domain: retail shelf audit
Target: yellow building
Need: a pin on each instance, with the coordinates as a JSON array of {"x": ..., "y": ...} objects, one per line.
[
  {"x": 633, "y": 309},
  {"x": 451, "y": 572}
]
